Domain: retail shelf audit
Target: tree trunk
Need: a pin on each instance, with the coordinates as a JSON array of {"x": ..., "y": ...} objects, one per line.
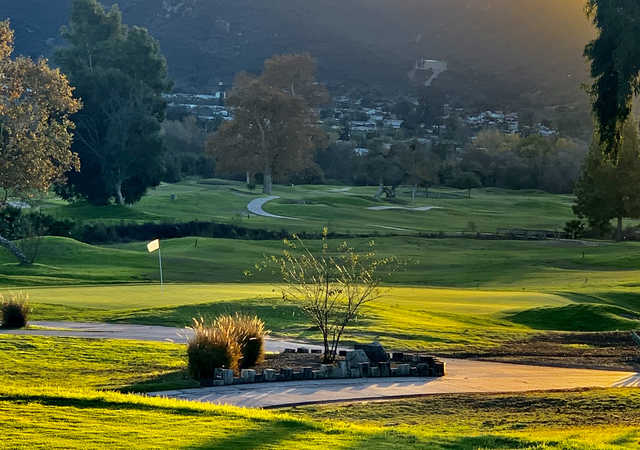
[
  {"x": 119, "y": 195},
  {"x": 268, "y": 181},
  {"x": 15, "y": 251},
  {"x": 619, "y": 230}
]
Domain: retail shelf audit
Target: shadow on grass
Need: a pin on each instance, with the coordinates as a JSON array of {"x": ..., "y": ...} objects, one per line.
[
  {"x": 276, "y": 314},
  {"x": 261, "y": 435},
  {"x": 166, "y": 382}
]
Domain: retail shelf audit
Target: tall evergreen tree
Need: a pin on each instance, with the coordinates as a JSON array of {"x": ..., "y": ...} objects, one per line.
[
  {"x": 120, "y": 74},
  {"x": 615, "y": 66},
  {"x": 608, "y": 189}
]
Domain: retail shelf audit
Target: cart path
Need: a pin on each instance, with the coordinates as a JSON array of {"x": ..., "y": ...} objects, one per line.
[
  {"x": 463, "y": 376},
  {"x": 134, "y": 333},
  {"x": 255, "y": 207}
]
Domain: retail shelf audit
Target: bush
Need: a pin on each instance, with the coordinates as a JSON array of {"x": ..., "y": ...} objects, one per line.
[
  {"x": 15, "y": 310},
  {"x": 248, "y": 332},
  {"x": 211, "y": 348}
]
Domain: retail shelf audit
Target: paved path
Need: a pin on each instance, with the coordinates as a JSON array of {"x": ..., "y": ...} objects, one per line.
[
  {"x": 133, "y": 332},
  {"x": 255, "y": 207},
  {"x": 462, "y": 377}
]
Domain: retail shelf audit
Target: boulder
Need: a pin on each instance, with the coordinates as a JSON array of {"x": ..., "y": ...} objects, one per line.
[
  {"x": 375, "y": 352},
  {"x": 355, "y": 357}
]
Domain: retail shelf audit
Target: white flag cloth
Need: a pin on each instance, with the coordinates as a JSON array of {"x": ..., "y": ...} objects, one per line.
[{"x": 153, "y": 246}]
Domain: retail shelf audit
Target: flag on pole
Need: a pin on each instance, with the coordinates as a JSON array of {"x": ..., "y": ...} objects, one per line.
[{"x": 153, "y": 246}]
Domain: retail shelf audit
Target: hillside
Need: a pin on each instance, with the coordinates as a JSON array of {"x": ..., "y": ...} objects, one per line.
[{"x": 499, "y": 51}]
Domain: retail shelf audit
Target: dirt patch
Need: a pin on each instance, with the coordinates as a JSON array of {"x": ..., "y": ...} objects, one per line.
[{"x": 610, "y": 351}]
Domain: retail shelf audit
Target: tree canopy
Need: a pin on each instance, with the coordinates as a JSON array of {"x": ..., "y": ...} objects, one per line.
[
  {"x": 608, "y": 189},
  {"x": 274, "y": 130},
  {"x": 615, "y": 66},
  {"x": 121, "y": 74},
  {"x": 35, "y": 129}
]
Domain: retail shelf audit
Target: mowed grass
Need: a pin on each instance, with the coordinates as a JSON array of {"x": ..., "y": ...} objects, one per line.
[
  {"x": 343, "y": 211},
  {"x": 503, "y": 290},
  {"x": 589, "y": 419},
  {"x": 58, "y": 393}
]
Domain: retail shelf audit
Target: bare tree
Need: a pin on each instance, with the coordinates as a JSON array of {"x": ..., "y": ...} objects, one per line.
[{"x": 330, "y": 286}]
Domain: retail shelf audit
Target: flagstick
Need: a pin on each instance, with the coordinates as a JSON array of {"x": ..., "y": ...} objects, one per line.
[{"x": 160, "y": 261}]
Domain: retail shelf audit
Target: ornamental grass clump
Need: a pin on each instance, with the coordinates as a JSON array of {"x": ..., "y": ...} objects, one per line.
[
  {"x": 15, "y": 310},
  {"x": 211, "y": 347},
  {"x": 249, "y": 333}
]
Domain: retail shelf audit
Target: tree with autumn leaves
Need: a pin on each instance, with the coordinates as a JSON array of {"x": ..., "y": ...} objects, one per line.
[
  {"x": 36, "y": 103},
  {"x": 274, "y": 130}
]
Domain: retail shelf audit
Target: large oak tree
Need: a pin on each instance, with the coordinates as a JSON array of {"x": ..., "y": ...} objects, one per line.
[
  {"x": 120, "y": 74},
  {"x": 35, "y": 129},
  {"x": 274, "y": 130}
]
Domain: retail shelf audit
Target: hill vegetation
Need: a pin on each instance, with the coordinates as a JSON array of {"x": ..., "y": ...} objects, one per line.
[{"x": 499, "y": 51}]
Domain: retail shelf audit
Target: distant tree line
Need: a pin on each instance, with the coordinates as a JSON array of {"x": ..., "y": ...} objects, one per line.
[{"x": 493, "y": 159}]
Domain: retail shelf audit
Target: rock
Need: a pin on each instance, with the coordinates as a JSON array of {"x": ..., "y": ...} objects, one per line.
[
  {"x": 414, "y": 372},
  {"x": 302, "y": 350},
  {"x": 423, "y": 370},
  {"x": 287, "y": 374},
  {"x": 374, "y": 372},
  {"x": 248, "y": 375},
  {"x": 289, "y": 350},
  {"x": 355, "y": 372},
  {"x": 439, "y": 369},
  {"x": 397, "y": 357},
  {"x": 307, "y": 373},
  {"x": 394, "y": 371},
  {"x": 364, "y": 369},
  {"x": 298, "y": 375},
  {"x": 270, "y": 375},
  {"x": 316, "y": 351},
  {"x": 336, "y": 372},
  {"x": 218, "y": 382},
  {"x": 227, "y": 376},
  {"x": 319, "y": 374},
  {"x": 427, "y": 359},
  {"x": 259, "y": 378},
  {"x": 404, "y": 370},
  {"x": 356, "y": 357},
  {"x": 385, "y": 369},
  {"x": 375, "y": 352}
]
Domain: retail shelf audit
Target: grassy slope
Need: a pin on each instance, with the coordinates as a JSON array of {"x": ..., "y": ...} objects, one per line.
[
  {"x": 581, "y": 419},
  {"x": 48, "y": 398},
  {"x": 317, "y": 206},
  {"x": 498, "y": 295}
]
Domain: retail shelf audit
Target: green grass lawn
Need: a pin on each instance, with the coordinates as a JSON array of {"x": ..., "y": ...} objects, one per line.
[
  {"x": 500, "y": 290},
  {"x": 58, "y": 393},
  {"x": 317, "y": 206}
]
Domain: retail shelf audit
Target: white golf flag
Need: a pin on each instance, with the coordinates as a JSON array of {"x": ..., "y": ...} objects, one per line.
[{"x": 153, "y": 246}]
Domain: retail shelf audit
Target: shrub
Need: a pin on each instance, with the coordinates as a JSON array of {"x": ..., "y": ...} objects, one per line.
[
  {"x": 248, "y": 332},
  {"x": 15, "y": 310},
  {"x": 211, "y": 348}
]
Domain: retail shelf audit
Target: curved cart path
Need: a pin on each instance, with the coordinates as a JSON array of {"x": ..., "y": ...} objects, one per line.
[
  {"x": 462, "y": 377},
  {"x": 133, "y": 332},
  {"x": 255, "y": 207}
]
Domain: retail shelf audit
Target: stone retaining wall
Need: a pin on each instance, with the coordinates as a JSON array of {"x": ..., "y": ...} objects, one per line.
[{"x": 355, "y": 365}]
